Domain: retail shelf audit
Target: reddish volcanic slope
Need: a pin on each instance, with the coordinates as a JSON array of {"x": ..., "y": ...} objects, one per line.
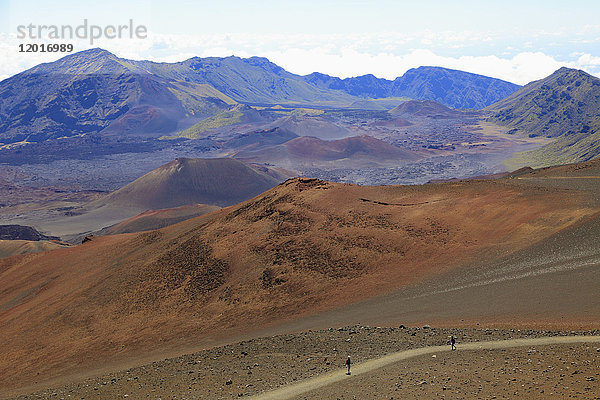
[
  {"x": 184, "y": 181},
  {"x": 303, "y": 247},
  {"x": 424, "y": 108},
  {"x": 345, "y": 148},
  {"x": 308, "y": 150},
  {"x": 219, "y": 181},
  {"x": 14, "y": 247},
  {"x": 156, "y": 219}
]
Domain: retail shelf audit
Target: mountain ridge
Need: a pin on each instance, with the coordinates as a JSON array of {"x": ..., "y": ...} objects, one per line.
[
  {"x": 443, "y": 85},
  {"x": 95, "y": 91},
  {"x": 566, "y": 106},
  {"x": 310, "y": 150}
]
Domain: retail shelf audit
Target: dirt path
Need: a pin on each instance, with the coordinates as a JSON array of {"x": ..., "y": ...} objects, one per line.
[{"x": 288, "y": 392}]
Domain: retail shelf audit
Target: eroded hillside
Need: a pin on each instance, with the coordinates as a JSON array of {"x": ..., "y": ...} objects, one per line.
[{"x": 302, "y": 247}]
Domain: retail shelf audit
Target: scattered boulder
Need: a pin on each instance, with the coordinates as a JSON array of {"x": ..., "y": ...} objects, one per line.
[{"x": 87, "y": 238}]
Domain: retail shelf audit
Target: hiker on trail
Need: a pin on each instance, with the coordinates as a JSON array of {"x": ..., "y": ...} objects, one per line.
[
  {"x": 453, "y": 342},
  {"x": 347, "y": 363}
]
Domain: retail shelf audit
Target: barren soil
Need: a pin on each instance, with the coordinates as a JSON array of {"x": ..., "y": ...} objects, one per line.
[
  {"x": 260, "y": 365},
  {"x": 308, "y": 255},
  {"x": 13, "y": 247}
]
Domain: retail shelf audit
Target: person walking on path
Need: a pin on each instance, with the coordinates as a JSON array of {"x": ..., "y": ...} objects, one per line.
[
  {"x": 453, "y": 342},
  {"x": 347, "y": 364}
]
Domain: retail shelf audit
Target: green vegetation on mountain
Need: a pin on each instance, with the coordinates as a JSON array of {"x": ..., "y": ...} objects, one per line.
[
  {"x": 189, "y": 95},
  {"x": 565, "y": 103},
  {"x": 566, "y": 106},
  {"x": 236, "y": 115},
  {"x": 216, "y": 121},
  {"x": 564, "y": 150}
]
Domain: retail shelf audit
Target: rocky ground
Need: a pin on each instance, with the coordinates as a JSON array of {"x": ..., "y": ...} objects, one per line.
[
  {"x": 535, "y": 372},
  {"x": 251, "y": 367}
]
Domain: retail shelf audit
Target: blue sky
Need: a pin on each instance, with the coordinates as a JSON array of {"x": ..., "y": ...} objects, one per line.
[{"x": 514, "y": 40}]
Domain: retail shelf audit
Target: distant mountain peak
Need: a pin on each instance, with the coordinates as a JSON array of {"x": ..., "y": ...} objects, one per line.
[
  {"x": 453, "y": 88},
  {"x": 368, "y": 77},
  {"x": 91, "y": 61},
  {"x": 259, "y": 59},
  {"x": 91, "y": 55},
  {"x": 254, "y": 60},
  {"x": 564, "y": 105},
  {"x": 96, "y": 51},
  {"x": 564, "y": 71},
  {"x": 94, "y": 90},
  {"x": 318, "y": 75},
  {"x": 433, "y": 69},
  {"x": 425, "y": 67}
]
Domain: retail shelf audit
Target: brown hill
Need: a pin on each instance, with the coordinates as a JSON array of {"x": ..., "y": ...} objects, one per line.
[
  {"x": 10, "y": 248},
  {"x": 392, "y": 122},
  {"x": 303, "y": 247},
  {"x": 315, "y": 126},
  {"x": 156, "y": 219},
  {"x": 307, "y": 150},
  {"x": 219, "y": 181},
  {"x": 424, "y": 108},
  {"x": 181, "y": 182}
]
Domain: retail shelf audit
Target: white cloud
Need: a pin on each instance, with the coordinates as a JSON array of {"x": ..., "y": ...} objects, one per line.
[
  {"x": 521, "y": 68},
  {"x": 588, "y": 60}
]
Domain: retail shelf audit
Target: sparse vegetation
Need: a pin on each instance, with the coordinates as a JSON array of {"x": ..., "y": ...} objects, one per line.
[{"x": 216, "y": 121}]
